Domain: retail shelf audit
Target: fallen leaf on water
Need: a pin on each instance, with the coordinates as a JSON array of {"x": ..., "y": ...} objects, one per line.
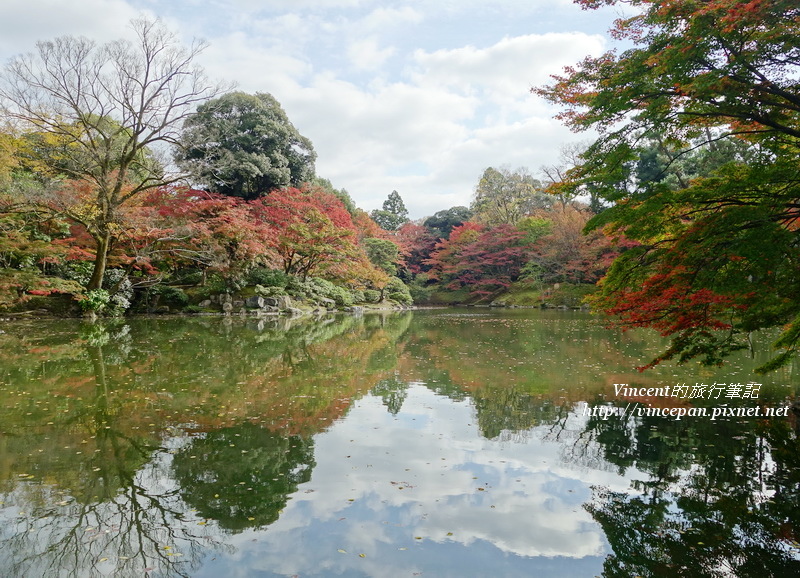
[{"x": 342, "y": 551}]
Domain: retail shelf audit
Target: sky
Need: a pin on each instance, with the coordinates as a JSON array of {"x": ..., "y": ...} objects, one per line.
[{"x": 417, "y": 96}]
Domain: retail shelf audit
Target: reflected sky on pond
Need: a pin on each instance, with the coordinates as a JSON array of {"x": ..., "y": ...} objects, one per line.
[
  {"x": 428, "y": 443},
  {"x": 422, "y": 486}
]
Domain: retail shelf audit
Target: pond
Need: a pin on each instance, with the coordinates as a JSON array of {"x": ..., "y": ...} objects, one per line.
[{"x": 446, "y": 443}]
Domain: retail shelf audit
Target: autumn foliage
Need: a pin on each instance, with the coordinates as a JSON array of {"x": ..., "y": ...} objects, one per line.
[
  {"x": 302, "y": 232},
  {"x": 707, "y": 94},
  {"x": 487, "y": 260}
]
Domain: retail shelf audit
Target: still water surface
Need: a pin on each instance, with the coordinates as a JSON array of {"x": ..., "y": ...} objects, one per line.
[{"x": 451, "y": 443}]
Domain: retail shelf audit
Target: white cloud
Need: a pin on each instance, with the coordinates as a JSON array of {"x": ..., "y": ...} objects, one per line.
[
  {"x": 505, "y": 71},
  {"x": 292, "y": 5},
  {"x": 254, "y": 66},
  {"x": 430, "y": 135},
  {"x": 366, "y": 55},
  {"x": 418, "y": 97},
  {"x": 383, "y": 19},
  {"x": 529, "y": 504},
  {"x": 363, "y": 136},
  {"x": 24, "y": 22},
  {"x": 532, "y": 57}
]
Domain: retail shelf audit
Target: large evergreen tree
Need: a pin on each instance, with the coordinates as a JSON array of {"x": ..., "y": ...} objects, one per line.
[
  {"x": 393, "y": 214},
  {"x": 244, "y": 145}
]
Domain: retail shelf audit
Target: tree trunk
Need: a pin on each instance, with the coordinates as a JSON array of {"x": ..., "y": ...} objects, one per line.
[{"x": 100, "y": 261}]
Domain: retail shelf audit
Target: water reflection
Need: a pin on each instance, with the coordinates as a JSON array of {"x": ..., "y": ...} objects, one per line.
[
  {"x": 721, "y": 499},
  {"x": 450, "y": 444},
  {"x": 242, "y": 476}
]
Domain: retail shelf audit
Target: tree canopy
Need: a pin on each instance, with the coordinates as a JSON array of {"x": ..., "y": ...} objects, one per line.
[
  {"x": 244, "y": 145},
  {"x": 717, "y": 254},
  {"x": 504, "y": 196},
  {"x": 393, "y": 214},
  {"x": 95, "y": 111},
  {"x": 441, "y": 223}
]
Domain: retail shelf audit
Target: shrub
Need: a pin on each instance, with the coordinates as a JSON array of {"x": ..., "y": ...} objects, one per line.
[
  {"x": 270, "y": 291},
  {"x": 326, "y": 289},
  {"x": 358, "y": 296},
  {"x": 188, "y": 277},
  {"x": 117, "y": 280},
  {"x": 420, "y": 293},
  {"x": 419, "y": 288},
  {"x": 397, "y": 291},
  {"x": 215, "y": 285},
  {"x": 79, "y": 271},
  {"x": 297, "y": 288},
  {"x": 267, "y": 277},
  {"x": 172, "y": 295},
  {"x": 95, "y": 300}
]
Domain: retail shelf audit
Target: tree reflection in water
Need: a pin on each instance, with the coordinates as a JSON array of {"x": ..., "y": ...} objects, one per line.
[
  {"x": 242, "y": 476},
  {"x": 112, "y": 513},
  {"x": 135, "y": 465},
  {"x": 153, "y": 445},
  {"x": 722, "y": 498}
]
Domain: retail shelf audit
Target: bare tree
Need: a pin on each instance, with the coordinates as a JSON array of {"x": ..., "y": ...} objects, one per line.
[
  {"x": 102, "y": 111},
  {"x": 561, "y": 180}
]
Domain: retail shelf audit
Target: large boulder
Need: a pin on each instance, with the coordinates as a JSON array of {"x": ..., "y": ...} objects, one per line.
[
  {"x": 255, "y": 302},
  {"x": 280, "y": 301},
  {"x": 327, "y": 303}
]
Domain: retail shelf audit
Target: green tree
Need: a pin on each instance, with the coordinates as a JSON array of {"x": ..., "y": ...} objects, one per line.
[
  {"x": 9, "y": 161},
  {"x": 382, "y": 253},
  {"x": 393, "y": 215},
  {"x": 661, "y": 163},
  {"x": 712, "y": 521},
  {"x": 718, "y": 253},
  {"x": 341, "y": 194},
  {"x": 503, "y": 196},
  {"x": 105, "y": 106},
  {"x": 244, "y": 145},
  {"x": 245, "y": 474},
  {"x": 442, "y": 222}
]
